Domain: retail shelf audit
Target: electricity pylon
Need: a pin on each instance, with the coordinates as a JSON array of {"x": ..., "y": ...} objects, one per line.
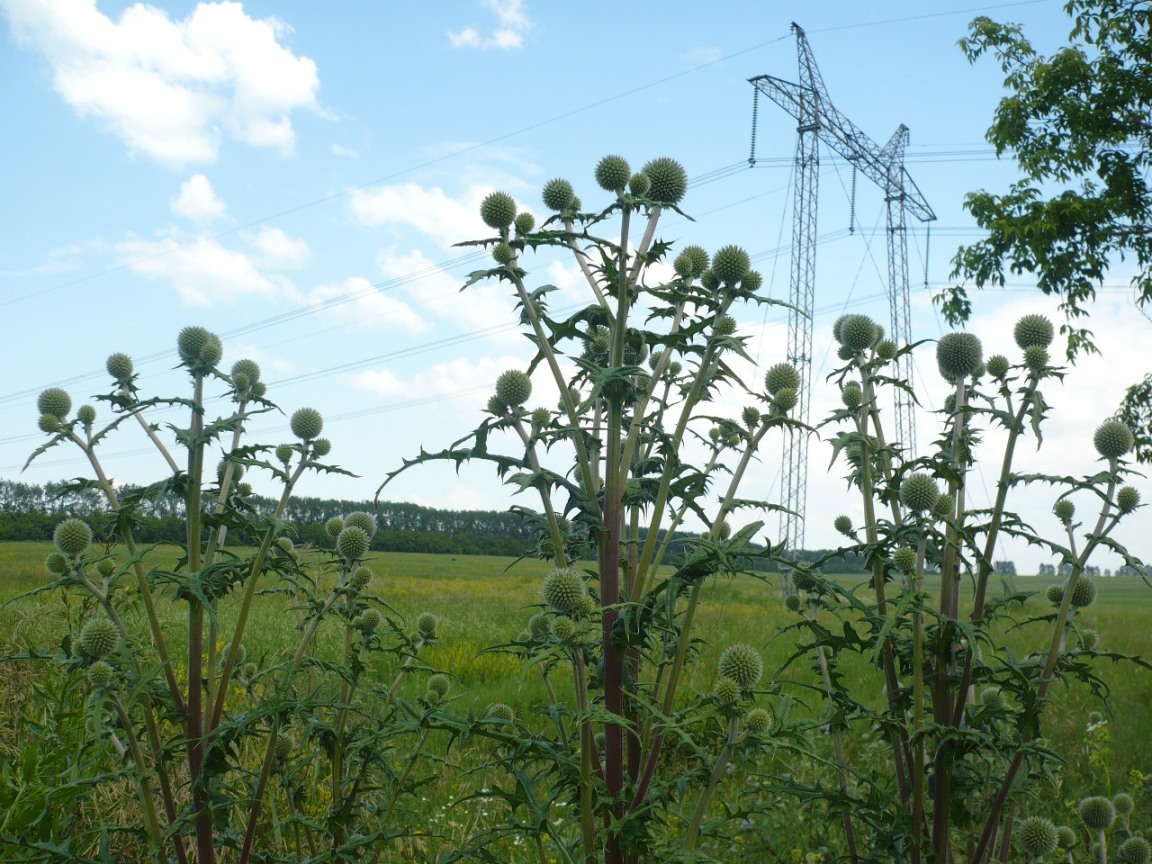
[{"x": 818, "y": 121}]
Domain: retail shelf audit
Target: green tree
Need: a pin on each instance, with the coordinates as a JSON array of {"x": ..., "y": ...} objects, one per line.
[{"x": 1078, "y": 122}]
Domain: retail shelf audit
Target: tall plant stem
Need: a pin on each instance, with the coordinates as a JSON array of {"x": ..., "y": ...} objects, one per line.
[
  {"x": 148, "y": 803},
  {"x": 692, "y": 835},
  {"x": 545, "y": 499},
  {"x": 587, "y": 753}
]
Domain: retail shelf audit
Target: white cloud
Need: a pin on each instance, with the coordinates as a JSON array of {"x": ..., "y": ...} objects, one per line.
[
  {"x": 172, "y": 89},
  {"x": 362, "y": 304},
  {"x": 277, "y": 249},
  {"x": 197, "y": 200},
  {"x": 512, "y": 26},
  {"x": 430, "y": 211},
  {"x": 346, "y": 152}
]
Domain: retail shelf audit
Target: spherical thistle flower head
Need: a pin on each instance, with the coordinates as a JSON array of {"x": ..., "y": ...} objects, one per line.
[
  {"x": 752, "y": 282},
  {"x": 750, "y": 416},
  {"x": 250, "y": 369},
  {"x": 524, "y": 223},
  {"x": 427, "y": 626},
  {"x": 1055, "y": 594},
  {"x": 958, "y": 356},
  {"x": 86, "y": 414},
  {"x": 1083, "y": 592},
  {"x": 852, "y": 395},
  {"x": 1123, "y": 803},
  {"x": 334, "y": 526},
  {"x": 307, "y": 424},
  {"x": 942, "y": 509},
  {"x": 1036, "y": 359},
  {"x": 997, "y": 366},
  {"x": 513, "y": 387},
  {"x": 792, "y": 603},
  {"x": 56, "y": 563},
  {"x": 1037, "y": 836},
  {"x": 1134, "y": 850},
  {"x": 284, "y": 747},
  {"x": 1033, "y": 331},
  {"x": 785, "y": 400},
  {"x": 563, "y": 629},
  {"x": 440, "y": 684},
  {"x": 366, "y": 522},
  {"x": 54, "y": 401},
  {"x": 540, "y": 626},
  {"x": 904, "y": 557},
  {"x": 558, "y": 195},
  {"x": 856, "y": 332},
  {"x": 321, "y": 447},
  {"x": 360, "y": 578},
  {"x": 1087, "y": 639},
  {"x": 992, "y": 698},
  {"x": 367, "y": 621},
  {"x": 691, "y": 262},
  {"x": 98, "y": 637},
  {"x": 886, "y": 349},
  {"x": 500, "y": 712},
  {"x": 106, "y": 567},
  {"x": 1095, "y": 718},
  {"x": 1065, "y": 837},
  {"x": 726, "y": 691},
  {"x": 668, "y": 179},
  {"x": 919, "y": 492},
  {"x": 725, "y": 326},
  {"x": 72, "y": 537},
  {"x": 120, "y": 367},
  {"x": 1096, "y": 812},
  {"x": 758, "y": 721},
  {"x": 613, "y": 173},
  {"x": 49, "y": 423},
  {"x": 843, "y": 525},
  {"x": 1112, "y": 439},
  {"x": 199, "y": 349},
  {"x": 498, "y": 210},
  {"x": 730, "y": 264},
  {"x": 496, "y": 406},
  {"x": 565, "y": 591},
  {"x": 1127, "y": 499},
  {"x": 1064, "y": 510},
  {"x": 503, "y": 254},
  {"x": 100, "y": 675},
  {"x": 352, "y": 543},
  {"x": 781, "y": 376},
  {"x": 743, "y": 664},
  {"x": 284, "y": 453}
]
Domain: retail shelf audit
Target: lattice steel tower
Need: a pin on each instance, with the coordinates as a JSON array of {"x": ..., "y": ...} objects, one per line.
[{"x": 819, "y": 121}]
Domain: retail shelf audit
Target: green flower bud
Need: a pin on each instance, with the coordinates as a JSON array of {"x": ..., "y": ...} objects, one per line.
[
  {"x": 524, "y": 222},
  {"x": 120, "y": 367},
  {"x": 1123, "y": 803},
  {"x": 710, "y": 281},
  {"x": 72, "y": 537},
  {"x": 743, "y": 664},
  {"x": 843, "y": 525},
  {"x": 758, "y": 721},
  {"x": 100, "y": 675},
  {"x": 1112, "y": 439},
  {"x": 856, "y": 332},
  {"x": 1065, "y": 837},
  {"x": 1127, "y": 499},
  {"x": 1087, "y": 639},
  {"x": 730, "y": 264},
  {"x": 503, "y": 254},
  {"x": 1134, "y": 850},
  {"x": 904, "y": 557},
  {"x": 1083, "y": 592},
  {"x": 86, "y": 414},
  {"x": 725, "y": 326},
  {"x": 307, "y": 424},
  {"x": 1055, "y": 594},
  {"x": 98, "y": 637},
  {"x": 248, "y": 368},
  {"x": 284, "y": 453},
  {"x": 1097, "y": 813},
  {"x": 334, "y": 526},
  {"x": 55, "y": 401},
  {"x": 750, "y": 416},
  {"x": 785, "y": 400},
  {"x": 284, "y": 747},
  {"x": 498, "y": 210},
  {"x": 500, "y": 712},
  {"x": 56, "y": 563},
  {"x": 852, "y": 395},
  {"x": 258, "y": 390},
  {"x": 360, "y": 578},
  {"x": 540, "y": 626},
  {"x": 1037, "y": 836},
  {"x": 919, "y": 492},
  {"x": 1064, "y": 510},
  {"x": 427, "y": 625},
  {"x": 513, "y": 388},
  {"x": 496, "y": 406},
  {"x": 792, "y": 603},
  {"x": 1033, "y": 331},
  {"x": 691, "y": 262},
  {"x": 352, "y": 543},
  {"x": 321, "y": 447},
  {"x": 886, "y": 349},
  {"x": 565, "y": 591},
  {"x": 992, "y": 698},
  {"x": 943, "y": 507},
  {"x": 439, "y": 684},
  {"x": 782, "y": 376},
  {"x": 367, "y": 621},
  {"x": 106, "y": 567},
  {"x": 752, "y": 282},
  {"x": 726, "y": 691},
  {"x": 248, "y": 671},
  {"x": 1036, "y": 359},
  {"x": 958, "y": 355},
  {"x": 998, "y": 366},
  {"x": 613, "y": 173},
  {"x": 199, "y": 349},
  {"x": 563, "y": 629},
  {"x": 639, "y": 184},
  {"x": 668, "y": 180},
  {"x": 558, "y": 195},
  {"x": 366, "y": 522},
  {"x": 49, "y": 423}
]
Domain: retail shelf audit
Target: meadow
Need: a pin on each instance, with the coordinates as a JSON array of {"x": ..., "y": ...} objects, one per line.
[{"x": 485, "y": 602}]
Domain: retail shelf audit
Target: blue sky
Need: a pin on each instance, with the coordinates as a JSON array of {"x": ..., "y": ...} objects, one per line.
[{"x": 293, "y": 176}]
